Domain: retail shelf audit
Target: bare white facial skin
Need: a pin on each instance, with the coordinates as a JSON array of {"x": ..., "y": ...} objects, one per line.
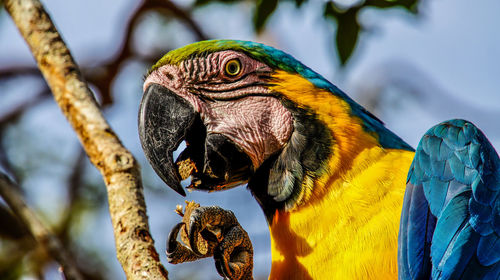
[
  {"x": 259, "y": 125},
  {"x": 239, "y": 107}
]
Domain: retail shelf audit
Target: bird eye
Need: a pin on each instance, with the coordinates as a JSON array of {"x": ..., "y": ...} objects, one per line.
[{"x": 233, "y": 67}]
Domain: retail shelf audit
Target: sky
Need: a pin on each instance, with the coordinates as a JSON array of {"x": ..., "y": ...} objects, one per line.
[{"x": 442, "y": 64}]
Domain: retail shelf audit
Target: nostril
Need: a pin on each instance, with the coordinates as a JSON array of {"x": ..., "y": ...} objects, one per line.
[{"x": 169, "y": 76}]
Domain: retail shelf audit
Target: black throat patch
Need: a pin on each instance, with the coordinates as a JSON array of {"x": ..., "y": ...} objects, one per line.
[{"x": 278, "y": 183}]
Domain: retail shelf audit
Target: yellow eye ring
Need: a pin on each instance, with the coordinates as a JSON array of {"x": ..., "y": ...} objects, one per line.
[{"x": 233, "y": 67}]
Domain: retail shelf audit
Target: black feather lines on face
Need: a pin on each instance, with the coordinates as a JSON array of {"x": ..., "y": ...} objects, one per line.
[
  {"x": 209, "y": 87},
  {"x": 278, "y": 183}
]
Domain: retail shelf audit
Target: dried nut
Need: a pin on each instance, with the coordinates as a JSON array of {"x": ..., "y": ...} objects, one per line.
[{"x": 186, "y": 168}]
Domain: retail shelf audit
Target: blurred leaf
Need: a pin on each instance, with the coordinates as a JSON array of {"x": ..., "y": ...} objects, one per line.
[
  {"x": 347, "y": 35},
  {"x": 204, "y": 2},
  {"x": 2, "y": 9},
  {"x": 409, "y": 5},
  {"x": 263, "y": 9},
  {"x": 348, "y": 29},
  {"x": 12, "y": 270},
  {"x": 299, "y": 3}
]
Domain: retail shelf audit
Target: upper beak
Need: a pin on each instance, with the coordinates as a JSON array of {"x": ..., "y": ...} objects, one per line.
[
  {"x": 164, "y": 119},
  {"x": 212, "y": 160}
]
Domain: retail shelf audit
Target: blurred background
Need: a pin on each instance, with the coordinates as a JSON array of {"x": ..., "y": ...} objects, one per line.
[{"x": 413, "y": 63}]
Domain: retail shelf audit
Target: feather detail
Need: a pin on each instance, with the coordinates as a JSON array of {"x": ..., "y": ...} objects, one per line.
[{"x": 459, "y": 172}]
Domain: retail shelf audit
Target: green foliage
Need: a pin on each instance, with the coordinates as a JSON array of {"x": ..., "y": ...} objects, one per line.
[
  {"x": 347, "y": 29},
  {"x": 346, "y": 18},
  {"x": 204, "y": 2},
  {"x": 11, "y": 270},
  {"x": 299, "y": 3},
  {"x": 263, "y": 9},
  {"x": 348, "y": 26}
]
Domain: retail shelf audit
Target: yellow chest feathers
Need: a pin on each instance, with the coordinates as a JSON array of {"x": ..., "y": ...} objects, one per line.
[{"x": 350, "y": 231}]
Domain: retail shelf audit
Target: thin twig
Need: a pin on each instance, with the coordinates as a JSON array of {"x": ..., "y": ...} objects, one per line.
[
  {"x": 13, "y": 114},
  {"x": 9, "y": 192},
  {"x": 9, "y": 117},
  {"x": 120, "y": 170},
  {"x": 16, "y": 71},
  {"x": 109, "y": 70},
  {"x": 179, "y": 13}
]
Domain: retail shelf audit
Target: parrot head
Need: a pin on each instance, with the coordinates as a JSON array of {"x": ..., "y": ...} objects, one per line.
[{"x": 248, "y": 113}]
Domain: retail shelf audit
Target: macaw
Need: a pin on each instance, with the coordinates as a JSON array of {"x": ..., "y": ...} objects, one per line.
[{"x": 344, "y": 197}]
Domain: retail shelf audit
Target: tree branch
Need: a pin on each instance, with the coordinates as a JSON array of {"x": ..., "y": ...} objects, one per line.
[
  {"x": 120, "y": 170},
  {"x": 16, "y": 71},
  {"x": 8, "y": 190}
]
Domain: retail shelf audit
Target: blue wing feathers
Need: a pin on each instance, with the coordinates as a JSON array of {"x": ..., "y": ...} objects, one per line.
[
  {"x": 463, "y": 155},
  {"x": 414, "y": 249},
  {"x": 435, "y": 192},
  {"x": 488, "y": 250},
  {"x": 438, "y": 167},
  {"x": 403, "y": 238},
  {"x": 455, "y": 188},
  {"x": 419, "y": 239},
  {"x": 458, "y": 256},
  {"x": 496, "y": 218},
  {"x": 457, "y": 168},
  {"x": 474, "y": 155},
  {"x": 447, "y": 174},
  {"x": 444, "y": 150},
  {"x": 481, "y": 212},
  {"x": 450, "y": 224},
  {"x": 424, "y": 162},
  {"x": 451, "y": 220},
  {"x": 481, "y": 192}
]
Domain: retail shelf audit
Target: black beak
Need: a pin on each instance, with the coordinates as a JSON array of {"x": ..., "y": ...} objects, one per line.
[
  {"x": 212, "y": 160},
  {"x": 164, "y": 119}
]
